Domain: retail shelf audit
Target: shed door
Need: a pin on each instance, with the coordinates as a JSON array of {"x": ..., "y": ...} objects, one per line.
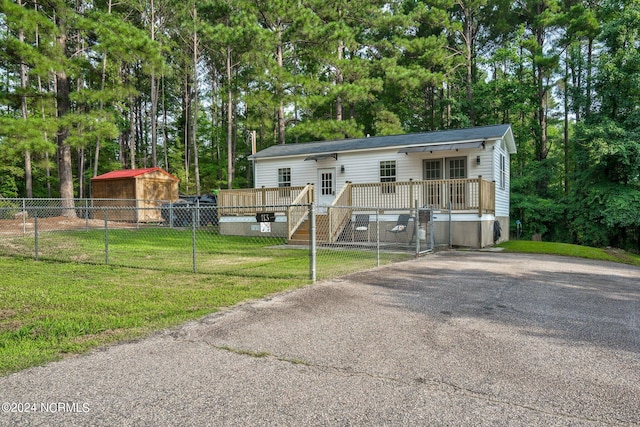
[{"x": 326, "y": 186}]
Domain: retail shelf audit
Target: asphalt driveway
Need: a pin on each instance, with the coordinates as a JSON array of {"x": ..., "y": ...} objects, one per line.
[{"x": 455, "y": 338}]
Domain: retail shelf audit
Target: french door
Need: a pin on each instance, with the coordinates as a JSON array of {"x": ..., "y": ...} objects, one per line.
[
  {"x": 457, "y": 169},
  {"x": 440, "y": 193}
]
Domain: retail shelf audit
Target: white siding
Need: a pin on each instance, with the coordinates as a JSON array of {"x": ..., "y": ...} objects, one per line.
[
  {"x": 364, "y": 167},
  {"x": 485, "y": 168},
  {"x": 502, "y": 194},
  {"x": 267, "y": 171}
]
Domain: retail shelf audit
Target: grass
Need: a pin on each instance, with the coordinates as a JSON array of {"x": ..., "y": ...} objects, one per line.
[
  {"x": 51, "y": 309},
  {"x": 171, "y": 250},
  {"x": 551, "y": 248}
]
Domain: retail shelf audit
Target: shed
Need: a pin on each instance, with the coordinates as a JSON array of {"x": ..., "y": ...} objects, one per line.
[{"x": 139, "y": 193}]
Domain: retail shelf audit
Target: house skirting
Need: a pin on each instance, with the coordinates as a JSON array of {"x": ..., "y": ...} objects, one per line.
[
  {"x": 468, "y": 230},
  {"x": 247, "y": 226}
]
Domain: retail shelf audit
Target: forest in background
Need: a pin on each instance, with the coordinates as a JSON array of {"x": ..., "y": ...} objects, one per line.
[{"x": 93, "y": 86}]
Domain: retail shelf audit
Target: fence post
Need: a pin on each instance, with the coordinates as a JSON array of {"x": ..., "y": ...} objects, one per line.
[
  {"x": 35, "y": 230},
  {"x": 193, "y": 236},
  {"x": 432, "y": 239},
  {"x": 416, "y": 228},
  {"x": 377, "y": 238},
  {"x": 480, "y": 201},
  {"x": 312, "y": 242},
  {"x": 106, "y": 237},
  {"x": 86, "y": 214},
  {"x": 24, "y": 218},
  {"x": 450, "y": 228}
]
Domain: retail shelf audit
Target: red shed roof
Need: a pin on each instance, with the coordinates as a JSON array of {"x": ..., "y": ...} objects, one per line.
[{"x": 130, "y": 173}]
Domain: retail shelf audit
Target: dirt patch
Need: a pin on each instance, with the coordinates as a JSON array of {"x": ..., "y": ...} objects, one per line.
[
  {"x": 7, "y": 313},
  {"x": 621, "y": 255},
  {"x": 57, "y": 223}
]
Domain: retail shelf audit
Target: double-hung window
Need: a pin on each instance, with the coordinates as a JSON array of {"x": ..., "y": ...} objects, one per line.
[
  {"x": 284, "y": 181},
  {"x": 388, "y": 176}
]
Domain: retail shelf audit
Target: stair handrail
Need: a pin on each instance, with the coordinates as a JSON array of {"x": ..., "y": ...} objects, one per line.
[
  {"x": 299, "y": 209},
  {"x": 338, "y": 217}
]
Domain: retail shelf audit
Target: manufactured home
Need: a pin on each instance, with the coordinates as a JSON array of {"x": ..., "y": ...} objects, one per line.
[{"x": 461, "y": 175}]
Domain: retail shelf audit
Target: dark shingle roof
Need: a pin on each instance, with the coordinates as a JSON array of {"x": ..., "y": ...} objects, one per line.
[{"x": 424, "y": 138}]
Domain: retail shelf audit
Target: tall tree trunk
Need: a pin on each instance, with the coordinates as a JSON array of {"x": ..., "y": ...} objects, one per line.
[
  {"x": 154, "y": 96},
  {"x": 81, "y": 159},
  {"x": 164, "y": 127},
  {"x": 216, "y": 155},
  {"x": 23, "y": 101},
  {"x": 195, "y": 101},
  {"x": 469, "y": 37},
  {"x": 186, "y": 105},
  {"x": 81, "y": 106},
  {"x": 339, "y": 82},
  {"x": 141, "y": 135},
  {"x": 566, "y": 122},
  {"x": 102, "y": 84},
  {"x": 542, "y": 150},
  {"x": 280, "y": 91},
  {"x": 541, "y": 113},
  {"x": 42, "y": 112},
  {"x": 63, "y": 89},
  {"x": 589, "y": 72},
  {"x": 132, "y": 133},
  {"x": 576, "y": 81},
  {"x": 103, "y": 80},
  {"x": 230, "y": 150}
]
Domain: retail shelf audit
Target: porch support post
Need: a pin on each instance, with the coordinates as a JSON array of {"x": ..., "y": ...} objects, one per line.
[
  {"x": 411, "y": 200},
  {"x": 480, "y": 201},
  {"x": 264, "y": 198}
]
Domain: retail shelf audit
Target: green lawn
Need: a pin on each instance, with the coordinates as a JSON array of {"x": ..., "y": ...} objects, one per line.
[
  {"x": 69, "y": 301},
  {"x": 172, "y": 250},
  {"x": 604, "y": 254},
  {"x": 49, "y": 309}
]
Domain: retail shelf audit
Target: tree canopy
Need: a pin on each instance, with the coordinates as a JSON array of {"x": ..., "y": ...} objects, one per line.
[{"x": 93, "y": 86}]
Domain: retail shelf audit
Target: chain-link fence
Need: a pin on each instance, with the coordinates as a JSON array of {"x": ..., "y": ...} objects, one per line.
[
  {"x": 294, "y": 241},
  {"x": 369, "y": 237}
]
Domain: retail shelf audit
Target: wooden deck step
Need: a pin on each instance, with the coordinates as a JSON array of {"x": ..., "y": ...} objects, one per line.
[{"x": 302, "y": 235}]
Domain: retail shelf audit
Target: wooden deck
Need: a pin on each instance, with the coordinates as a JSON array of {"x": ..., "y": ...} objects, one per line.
[{"x": 458, "y": 195}]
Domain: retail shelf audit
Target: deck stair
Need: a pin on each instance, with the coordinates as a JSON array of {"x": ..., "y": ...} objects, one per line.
[{"x": 301, "y": 235}]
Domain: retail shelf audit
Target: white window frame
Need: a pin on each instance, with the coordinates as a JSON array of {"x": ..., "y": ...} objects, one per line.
[
  {"x": 282, "y": 174},
  {"x": 386, "y": 177},
  {"x": 459, "y": 164},
  {"x": 283, "y": 183},
  {"x": 426, "y": 171}
]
